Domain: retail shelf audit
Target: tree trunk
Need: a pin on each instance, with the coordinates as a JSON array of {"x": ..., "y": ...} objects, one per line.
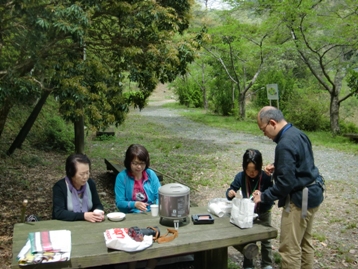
[
  {"x": 4, "y": 112},
  {"x": 203, "y": 87},
  {"x": 205, "y": 100},
  {"x": 334, "y": 114},
  {"x": 79, "y": 134},
  {"x": 242, "y": 109},
  {"x": 20, "y": 138}
]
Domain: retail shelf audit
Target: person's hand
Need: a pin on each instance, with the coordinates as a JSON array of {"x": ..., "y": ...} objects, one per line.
[
  {"x": 269, "y": 169},
  {"x": 93, "y": 217},
  {"x": 257, "y": 196},
  {"x": 231, "y": 193},
  {"x": 141, "y": 206}
]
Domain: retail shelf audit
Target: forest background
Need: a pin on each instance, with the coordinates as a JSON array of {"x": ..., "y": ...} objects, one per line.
[{"x": 71, "y": 68}]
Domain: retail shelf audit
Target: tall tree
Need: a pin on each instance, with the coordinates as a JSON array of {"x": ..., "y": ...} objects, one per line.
[
  {"x": 324, "y": 36},
  {"x": 241, "y": 50},
  {"x": 121, "y": 37}
]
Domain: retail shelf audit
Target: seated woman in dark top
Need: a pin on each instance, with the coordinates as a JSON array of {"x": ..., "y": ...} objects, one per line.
[{"x": 75, "y": 197}]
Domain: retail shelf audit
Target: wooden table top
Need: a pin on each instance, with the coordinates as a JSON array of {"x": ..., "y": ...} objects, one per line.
[{"x": 89, "y": 249}]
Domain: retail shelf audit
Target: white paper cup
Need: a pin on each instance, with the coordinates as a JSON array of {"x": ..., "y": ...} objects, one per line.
[
  {"x": 98, "y": 212},
  {"x": 154, "y": 209},
  {"x": 215, "y": 209}
]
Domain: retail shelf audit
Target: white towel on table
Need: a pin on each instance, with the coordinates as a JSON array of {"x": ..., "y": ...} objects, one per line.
[{"x": 46, "y": 246}]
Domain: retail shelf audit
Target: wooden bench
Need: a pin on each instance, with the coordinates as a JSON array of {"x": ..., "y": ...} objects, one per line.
[
  {"x": 116, "y": 165},
  {"x": 105, "y": 133},
  {"x": 352, "y": 136}
]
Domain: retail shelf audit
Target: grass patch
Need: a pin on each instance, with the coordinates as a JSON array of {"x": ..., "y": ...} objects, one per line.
[
  {"x": 351, "y": 225},
  {"x": 277, "y": 257},
  {"x": 319, "y": 237},
  {"x": 177, "y": 158}
]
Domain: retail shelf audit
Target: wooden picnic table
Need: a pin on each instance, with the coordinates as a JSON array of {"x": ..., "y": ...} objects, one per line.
[{"x": 208, "y": 242}]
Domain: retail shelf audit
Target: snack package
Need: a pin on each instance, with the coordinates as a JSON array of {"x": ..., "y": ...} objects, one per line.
[{"x": 118, "y": 238}]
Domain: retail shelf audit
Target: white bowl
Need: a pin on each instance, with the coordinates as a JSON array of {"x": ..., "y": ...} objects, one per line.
[{"x": 116, "y": 216}]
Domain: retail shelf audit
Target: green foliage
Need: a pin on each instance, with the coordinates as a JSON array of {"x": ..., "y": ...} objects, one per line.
[
  {"x": 232, "y": 265},
  {"x": 188, "y": 92},
  {"x": 277, "y": 257},
  {"x": 348, "y": 127},
  {"x": 251, "y": 114},
  {"x": 319, "y": 237},
  {"x": 306, "y": 111},
  {"x": 79, "y": 51},
  {"x": 285, "y": 81},
  {"x": 222, "y": 94},
  {"x": 135, "y": 98},
  {"x": 352, "y": 82},
  {"x": 50, "y": 131},
  {"x": 57, "y": 135},
  {"x": 104, "y": 137}
]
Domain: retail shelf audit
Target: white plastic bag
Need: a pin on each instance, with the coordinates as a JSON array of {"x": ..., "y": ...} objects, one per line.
[
  {"x": 220, "y": 207},
  {"x": 242, "y": 212},
  {"x": 118, "y": 238}
]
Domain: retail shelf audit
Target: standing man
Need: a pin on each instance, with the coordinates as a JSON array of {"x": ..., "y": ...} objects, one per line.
[{"x": 298, "y": 187}]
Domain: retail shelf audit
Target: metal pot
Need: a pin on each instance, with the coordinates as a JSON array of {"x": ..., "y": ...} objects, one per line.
[{"x": 174, "y": 201}]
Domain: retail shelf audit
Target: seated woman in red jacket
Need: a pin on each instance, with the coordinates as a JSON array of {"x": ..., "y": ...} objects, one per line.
[{"x": 75, "y": 197}]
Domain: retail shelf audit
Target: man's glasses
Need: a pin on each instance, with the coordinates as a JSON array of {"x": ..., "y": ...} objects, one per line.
[
  {"x": 138, "y": 163},
  {"x": 264, "y": 129}
]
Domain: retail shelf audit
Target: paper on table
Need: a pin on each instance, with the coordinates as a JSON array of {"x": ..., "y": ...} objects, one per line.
[{"x": 46, "y": 247}]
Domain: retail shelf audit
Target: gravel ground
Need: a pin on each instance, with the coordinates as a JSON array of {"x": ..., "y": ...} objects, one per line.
[{"x": 333, "y": 165}]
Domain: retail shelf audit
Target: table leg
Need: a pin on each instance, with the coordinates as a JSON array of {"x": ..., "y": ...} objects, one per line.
[{"x": 211, "y": 259}]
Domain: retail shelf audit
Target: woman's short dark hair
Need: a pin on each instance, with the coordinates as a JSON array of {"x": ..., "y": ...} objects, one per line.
[
  {"x": 136, "y": 151},
  {"x": 71, "y": 161},
  {"x": 252, "y": 156}
]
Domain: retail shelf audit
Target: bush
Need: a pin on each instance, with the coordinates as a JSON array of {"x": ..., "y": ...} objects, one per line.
[
  {"x": 306, "y": 112},
  {"x": 348, "y": 127},
  {"x": 57, "y": 135},
  {"x": 188, "y": 92}
]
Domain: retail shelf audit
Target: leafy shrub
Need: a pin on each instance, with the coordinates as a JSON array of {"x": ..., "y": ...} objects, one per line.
[
  {"x": 348, "y": 127},
  {"x": 104, "y": 137},
  {"x": 222, "y": 96},
  {"x": 188, "y": 92},
  {"x": 58, "y": 135},
  {"x": 251, "y": 114},
  {"x": 286, "y": 83},
  {"x": 306, "y": 112}
]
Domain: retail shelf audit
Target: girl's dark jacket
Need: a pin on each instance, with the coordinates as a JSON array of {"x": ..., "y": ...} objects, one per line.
[{"x": 239, "y": 183}]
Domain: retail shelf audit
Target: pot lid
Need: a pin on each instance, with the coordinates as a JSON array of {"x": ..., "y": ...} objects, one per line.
[{"x": 173, "y": 189}]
